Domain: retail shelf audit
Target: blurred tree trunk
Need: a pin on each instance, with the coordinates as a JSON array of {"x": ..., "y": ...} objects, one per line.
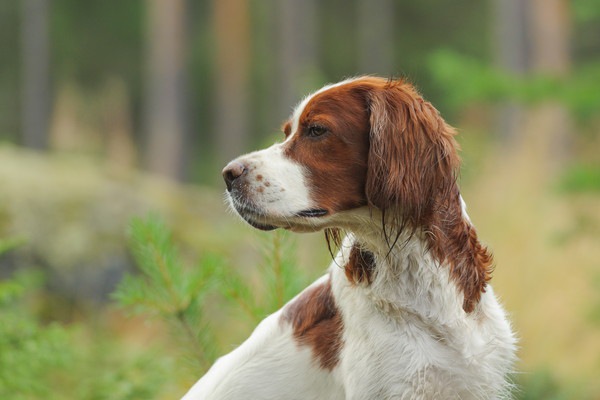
[
  {"x": 551, "y": 29},
  {"x": 117, "y": 126},
  {"x": 297, "y": 51},
  {"x": 550, "y": 22},
  {"x": 232, "y": 34},
  {"x": 165, "y": 108},
  {"x": 35, "y": 106},
  {"x": 511, "y": 50},
  {"x": 532, "y": 38},
  {"x": 375, "y": 37}
]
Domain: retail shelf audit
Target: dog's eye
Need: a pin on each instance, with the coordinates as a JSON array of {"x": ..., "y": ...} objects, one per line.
[{"x": 316, "y": 130}]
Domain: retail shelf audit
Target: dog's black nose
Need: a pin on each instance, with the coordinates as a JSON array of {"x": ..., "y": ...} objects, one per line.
[{"x": 231, "y": 172}]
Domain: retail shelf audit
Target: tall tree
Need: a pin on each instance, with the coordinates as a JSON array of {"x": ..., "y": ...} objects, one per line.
[
  {"x": 550, "y": 27},
  {"x": 511, "y": 51},
  {"x": 165, "y": 99},
  {"x": 297, "y": 51},
  {"x": 35, "y": 104},
  {"x": 231, "y": 19},
  {"x": 375, "y": 37},
  {"x": 551, "y": 34},
  {"x": 532, "y": 37}
]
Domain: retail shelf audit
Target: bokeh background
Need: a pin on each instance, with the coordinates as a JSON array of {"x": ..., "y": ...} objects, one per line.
[{"x": 111, "y": 109}]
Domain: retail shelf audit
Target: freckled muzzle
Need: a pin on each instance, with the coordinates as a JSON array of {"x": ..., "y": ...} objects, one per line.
[
  {"x": 268, "y": 192},
  {"x": 234, "y": 175}
]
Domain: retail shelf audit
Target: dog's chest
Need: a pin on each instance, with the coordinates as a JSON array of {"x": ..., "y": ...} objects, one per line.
[
  {"x": 406, "y": 360},
  {"x": 388, "y": 350}
]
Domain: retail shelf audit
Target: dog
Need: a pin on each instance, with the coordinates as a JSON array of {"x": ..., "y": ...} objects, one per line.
[{"x": 405, "y": 310}]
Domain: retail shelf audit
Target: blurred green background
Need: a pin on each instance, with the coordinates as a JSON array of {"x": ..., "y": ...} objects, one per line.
[{"x": 111, "y": 109}]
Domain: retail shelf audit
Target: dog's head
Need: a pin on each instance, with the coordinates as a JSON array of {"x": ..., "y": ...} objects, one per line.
[
  {"x": 362, "y": 147},
  {"x": 365, "y": 142}
]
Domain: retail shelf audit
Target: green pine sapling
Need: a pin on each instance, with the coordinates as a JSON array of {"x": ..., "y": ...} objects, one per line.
[{"x": 168, "y": 289}]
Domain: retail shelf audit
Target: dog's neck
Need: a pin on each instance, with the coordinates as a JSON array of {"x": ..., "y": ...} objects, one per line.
[{"x": 406, "y": 279}]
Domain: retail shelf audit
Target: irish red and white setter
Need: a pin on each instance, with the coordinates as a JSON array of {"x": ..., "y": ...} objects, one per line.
[{"x": 405, "y": 310}]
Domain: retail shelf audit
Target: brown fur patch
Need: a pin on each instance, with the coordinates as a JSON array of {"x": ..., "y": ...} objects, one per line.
[
  {"x": 317, "y": 322},
  {"x": 360, "y": 266},
  {"x": 454, "y": 240},
  {"x": 337, "y": 160}
]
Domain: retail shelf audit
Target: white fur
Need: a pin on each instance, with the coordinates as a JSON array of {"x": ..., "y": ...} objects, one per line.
[{"x": 407, "y": 336}]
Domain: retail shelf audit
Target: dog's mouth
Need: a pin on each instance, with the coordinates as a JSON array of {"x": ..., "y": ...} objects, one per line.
[
  {"x": 312, "y": 213},
  {"x": 262, "y": 227},
  {"x": 253, "y": 218},
  {"x": 263, "y": 221},
  {"x": 257, "y": 221}
]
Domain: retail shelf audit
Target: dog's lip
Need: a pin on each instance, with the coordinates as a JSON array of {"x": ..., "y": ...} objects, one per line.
[
  {"x": 251, "y": 215},
  {"x": 251, "y": 218},
  {"x": 312, "y": 213},
  {"x": 262, "y": 227}
]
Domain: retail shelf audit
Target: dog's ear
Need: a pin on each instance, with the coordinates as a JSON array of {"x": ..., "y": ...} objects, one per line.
[
  {"x": 412, "y": 154},
  {"x": 411, "y": 175}
]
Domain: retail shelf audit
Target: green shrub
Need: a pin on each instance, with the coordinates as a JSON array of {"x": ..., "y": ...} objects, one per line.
[
  {"x": 581, "y": 178},
  {"x": 168, "y": 289},
  {"x": 53, "y": 360},
  {"x": 30, "y": 352},
  {"x": 468, "y": 80}
]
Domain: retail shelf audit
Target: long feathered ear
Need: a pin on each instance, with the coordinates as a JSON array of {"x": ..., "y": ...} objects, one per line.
[
  {"x": 411, "y": 177},
  {"x": 412, "y": 153}
]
